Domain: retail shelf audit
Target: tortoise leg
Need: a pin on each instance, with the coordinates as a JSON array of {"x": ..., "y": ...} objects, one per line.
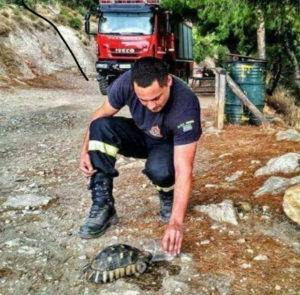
[{"x": 141, "y": 266}]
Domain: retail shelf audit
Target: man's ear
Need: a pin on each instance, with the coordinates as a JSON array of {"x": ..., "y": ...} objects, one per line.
[{"x": 170, "y": 81}]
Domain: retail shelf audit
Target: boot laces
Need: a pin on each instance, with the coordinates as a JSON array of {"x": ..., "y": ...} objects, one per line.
[{"x": 166, "y": 201}]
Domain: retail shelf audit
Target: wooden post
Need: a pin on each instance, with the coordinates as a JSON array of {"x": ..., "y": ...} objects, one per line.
[
  {"x": 220, "y": 96},
  {"x": 243, "y": 97}
]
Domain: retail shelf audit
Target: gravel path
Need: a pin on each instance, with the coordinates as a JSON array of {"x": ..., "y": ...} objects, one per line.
[{"x": 44, "y": 200}]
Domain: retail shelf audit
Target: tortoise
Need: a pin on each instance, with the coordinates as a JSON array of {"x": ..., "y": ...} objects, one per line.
[{"x": 117, "y": 261}]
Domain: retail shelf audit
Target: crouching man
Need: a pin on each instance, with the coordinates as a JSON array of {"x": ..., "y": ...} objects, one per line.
[{"x": 164, "y": 129}]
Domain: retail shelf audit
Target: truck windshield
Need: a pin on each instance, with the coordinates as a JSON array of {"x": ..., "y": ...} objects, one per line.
[{"x": 126, "y": 23}]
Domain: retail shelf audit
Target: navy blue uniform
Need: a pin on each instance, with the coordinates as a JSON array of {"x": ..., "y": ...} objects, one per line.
[
  {"x": 179, "y": 120},
  {"x": 150, "y": 135}
]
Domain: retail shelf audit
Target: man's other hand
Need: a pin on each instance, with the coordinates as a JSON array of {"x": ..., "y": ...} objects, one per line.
[
  {"x": 85, "y": 165},
  {"x": 172, "y": 239}
]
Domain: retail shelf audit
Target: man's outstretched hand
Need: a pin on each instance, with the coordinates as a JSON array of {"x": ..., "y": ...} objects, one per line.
[
  {"x": 172, "y": 239},
  {"x": 85, "y": 165}
]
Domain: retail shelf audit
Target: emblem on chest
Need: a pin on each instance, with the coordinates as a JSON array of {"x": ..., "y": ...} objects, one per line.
[{"x": 155, "y": 131}]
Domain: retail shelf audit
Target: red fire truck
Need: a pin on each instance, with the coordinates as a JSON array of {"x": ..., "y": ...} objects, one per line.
[{"x": 131, "y": 29}]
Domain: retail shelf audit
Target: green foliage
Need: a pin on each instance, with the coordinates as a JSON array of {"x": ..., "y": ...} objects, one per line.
[
  {"x": 231, "y": 26},
  {"x": 2, "y": 3},
  {"x": 75, "y": 23}
]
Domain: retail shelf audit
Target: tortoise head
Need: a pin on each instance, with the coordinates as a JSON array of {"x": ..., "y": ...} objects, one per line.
[{"x": 143, "y": 261}]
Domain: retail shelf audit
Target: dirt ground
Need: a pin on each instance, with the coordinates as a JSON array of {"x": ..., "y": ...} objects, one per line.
[{"x": 41, "y": 131}]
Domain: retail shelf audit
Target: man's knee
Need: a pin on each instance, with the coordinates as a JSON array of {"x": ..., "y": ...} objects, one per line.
[
  {"x": 160, "y": 175},
  {"x": 101, "y": 125}
]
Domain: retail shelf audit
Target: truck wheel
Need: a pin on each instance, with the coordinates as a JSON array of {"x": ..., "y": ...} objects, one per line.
[{"x": 102, "y": 84}]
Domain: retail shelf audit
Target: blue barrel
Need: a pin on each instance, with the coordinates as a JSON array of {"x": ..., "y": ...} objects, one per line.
[{"x": 251, "y": 78}]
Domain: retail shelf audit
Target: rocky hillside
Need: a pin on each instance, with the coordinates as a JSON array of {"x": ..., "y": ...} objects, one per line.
[{"x": 30, "y": 48}]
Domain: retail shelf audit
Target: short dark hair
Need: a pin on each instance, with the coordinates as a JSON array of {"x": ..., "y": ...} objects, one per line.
[{"x": 148, "y": 69}]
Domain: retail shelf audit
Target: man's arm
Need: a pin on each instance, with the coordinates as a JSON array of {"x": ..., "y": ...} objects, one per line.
[
  {"x": 85, "y": 166},
  {"x": 183, "y": 162}
]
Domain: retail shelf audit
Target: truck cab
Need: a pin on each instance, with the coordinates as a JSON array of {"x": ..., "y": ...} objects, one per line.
[{"x": 131, "y": 29}]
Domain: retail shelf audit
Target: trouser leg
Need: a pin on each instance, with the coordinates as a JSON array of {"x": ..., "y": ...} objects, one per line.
[
  {"x": 112, "y": 135},
  {"x": 160, "y": 165},
  {"x": 160, "y": 170},
  {"x": 108, "y": 136}
]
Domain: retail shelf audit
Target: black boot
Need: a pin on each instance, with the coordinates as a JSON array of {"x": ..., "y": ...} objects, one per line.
[
  {"x": 166, "y": 203},
  {"x": 103, "y": 212}
]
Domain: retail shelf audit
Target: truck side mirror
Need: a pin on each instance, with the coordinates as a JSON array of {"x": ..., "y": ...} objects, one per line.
[{"x": 87, "y": 23}]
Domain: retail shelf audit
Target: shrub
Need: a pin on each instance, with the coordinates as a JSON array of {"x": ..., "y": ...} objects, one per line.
[
  {"x": 75, "y": 23},
  {"x": 284, "y": 102},
  {"x": 82, "y": 10}
]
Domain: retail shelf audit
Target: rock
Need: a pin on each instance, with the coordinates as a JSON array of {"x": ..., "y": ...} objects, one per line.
[
  {"x": 12, "y": 243},
  {"x": 277, "y": 288},
  {"x": 245, "y": 265},
  {"x": 261, "y": 257},
  {"x": 173, "y": 285},
  {"x": 222, "y": 212},
  {"x": 290, "y": 134},
  {"x": 186, "y": 257},
  {"x": 291, "y": 203},
  {"x": 276, "y": 185},
  {"x": 236, "y": 175},
  {"x": 244, "y": 206},
  {"x": 27, "y": 200},
  {"x": 208, "y": 185},
  {"x": 287, "y": 163},
  {"x": 241, "y": 241},
  {"x": 28, "y": 251},
  {"x": 205, "y": 242}
]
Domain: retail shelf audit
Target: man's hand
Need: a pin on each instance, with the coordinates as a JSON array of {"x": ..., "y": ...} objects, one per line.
[
  {"x": 172, "y": 239},
  {"x": 85, "y": 165}
]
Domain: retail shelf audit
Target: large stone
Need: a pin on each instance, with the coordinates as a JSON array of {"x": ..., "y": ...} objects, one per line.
[
  {"x": 290, "y": 134},
  {"x": 291, "y": 203},
  {"x": 276, "y": 185},
  {"x": 287, "y": 163},
  {"x": 222, "y": 212},
  {"x": 26, "y": 201}
]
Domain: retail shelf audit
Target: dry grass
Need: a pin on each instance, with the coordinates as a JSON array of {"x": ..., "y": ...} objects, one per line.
[
  {"x": 284, "y": 102},
  {"x": 7, "y": 57}
]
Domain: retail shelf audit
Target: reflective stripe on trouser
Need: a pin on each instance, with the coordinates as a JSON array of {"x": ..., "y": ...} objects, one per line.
[
  {"x": 112, "y": 135},
  {"x": 164, "y": 189},
  {"x": 95, "y": 145}
]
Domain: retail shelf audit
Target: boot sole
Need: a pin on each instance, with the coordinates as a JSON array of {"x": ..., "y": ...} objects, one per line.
[{"x": 88, "y": 235}]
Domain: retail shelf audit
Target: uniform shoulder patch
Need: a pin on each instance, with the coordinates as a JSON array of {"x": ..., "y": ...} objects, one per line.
[{"x": 186, "y": 126}]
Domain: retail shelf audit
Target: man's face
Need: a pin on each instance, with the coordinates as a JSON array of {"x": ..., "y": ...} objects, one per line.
[{"x": 154, "y": 97}]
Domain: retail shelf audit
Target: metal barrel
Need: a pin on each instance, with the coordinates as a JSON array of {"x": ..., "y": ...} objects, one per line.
[
  {"x": 251, "y": 78},
  {"x": 233, "y": 108}
]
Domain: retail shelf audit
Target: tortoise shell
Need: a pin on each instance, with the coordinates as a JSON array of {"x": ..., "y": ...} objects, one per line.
[{"x": 117, "y": 261}]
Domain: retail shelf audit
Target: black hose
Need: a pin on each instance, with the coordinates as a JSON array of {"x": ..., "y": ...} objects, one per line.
[{"x": 60, "y": 35}]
